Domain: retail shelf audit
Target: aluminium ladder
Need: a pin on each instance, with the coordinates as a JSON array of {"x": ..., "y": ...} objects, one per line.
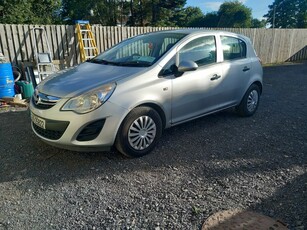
[
  {"x": 45, "y": 66},
  {"x": 86, "y": 40}
]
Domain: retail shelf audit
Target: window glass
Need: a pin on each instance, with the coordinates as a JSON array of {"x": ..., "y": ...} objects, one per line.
[
  {"x": 143, "y": 50},
  {"x": 201, "y": 50},
  {"x": 167, "y": 44},
  {"x": 169, "y": 68},
  {"x": 233, "y": 48}
]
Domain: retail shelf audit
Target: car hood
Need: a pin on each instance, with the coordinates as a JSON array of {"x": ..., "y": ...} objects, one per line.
[{"x": 84, "y": 77}]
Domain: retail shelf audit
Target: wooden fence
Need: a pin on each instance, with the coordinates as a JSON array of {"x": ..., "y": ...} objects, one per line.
[{"x": 16, "y": 41}]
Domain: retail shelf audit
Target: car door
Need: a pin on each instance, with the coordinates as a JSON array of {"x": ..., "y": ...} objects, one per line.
[
  {"x": 197, "y": 92},
  {"x": 236, "y": 68}
]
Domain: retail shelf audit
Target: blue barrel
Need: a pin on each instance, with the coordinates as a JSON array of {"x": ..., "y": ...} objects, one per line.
[{"x": 6, "y": 80}]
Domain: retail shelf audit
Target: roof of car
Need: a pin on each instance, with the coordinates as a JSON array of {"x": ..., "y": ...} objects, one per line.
[{"x": 192, "y": 31}]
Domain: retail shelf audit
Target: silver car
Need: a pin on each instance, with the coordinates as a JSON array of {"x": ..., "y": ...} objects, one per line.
[{"x": 127, "y": 95}]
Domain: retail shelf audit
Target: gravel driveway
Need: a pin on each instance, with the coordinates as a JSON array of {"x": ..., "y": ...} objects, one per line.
[{"x": 211, "y": 164}]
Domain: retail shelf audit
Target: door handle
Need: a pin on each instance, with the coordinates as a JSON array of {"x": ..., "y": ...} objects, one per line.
[
  {"x": 215, "y": 77},
  {"x": 246, "y": 69}
]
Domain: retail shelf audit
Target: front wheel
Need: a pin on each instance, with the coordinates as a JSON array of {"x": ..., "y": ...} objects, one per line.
[
  {"x": 139, "y": 132},
  {"x": 250, "y": 102}
]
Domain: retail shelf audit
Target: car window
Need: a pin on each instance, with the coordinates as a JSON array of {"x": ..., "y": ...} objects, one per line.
[
  {"x": 233, "y": 48},
  {"x": 169, "y": 68},
  {"x": 201, "y": 50},
  {"x": 142, "y": 50},
  {"x": 167, "y": 44}
]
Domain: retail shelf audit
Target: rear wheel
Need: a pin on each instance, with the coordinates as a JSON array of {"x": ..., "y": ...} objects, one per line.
[
  {"x": 139, "y": 132},
  {"x": 250, "y": 102}
]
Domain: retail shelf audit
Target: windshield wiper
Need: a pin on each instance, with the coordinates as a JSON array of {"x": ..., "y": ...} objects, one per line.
[
  {"x": 135, "y": 63},
  {"x": 102, "y": 61}
]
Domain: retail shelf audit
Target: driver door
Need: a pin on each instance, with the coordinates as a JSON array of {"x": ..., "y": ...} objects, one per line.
[{"x": 197, "y": 92}]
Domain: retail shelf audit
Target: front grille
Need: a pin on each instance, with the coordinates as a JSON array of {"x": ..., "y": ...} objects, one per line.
[
  {"x": 54, "y": 133},
  {"x": 42, "y": 106},
  {"x": 44, "y": 101}
]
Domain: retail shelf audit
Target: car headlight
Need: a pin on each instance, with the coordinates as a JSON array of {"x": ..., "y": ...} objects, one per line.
[{"x": 89, "y": 101}]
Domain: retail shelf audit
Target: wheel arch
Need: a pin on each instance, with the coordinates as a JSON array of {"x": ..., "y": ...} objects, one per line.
[
  {"x": 259, "y": 84},
  {"x": 159, "y": 110}
]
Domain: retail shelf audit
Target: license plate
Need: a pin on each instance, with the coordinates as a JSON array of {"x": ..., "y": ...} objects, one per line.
[{"x": 38, "y": 121}]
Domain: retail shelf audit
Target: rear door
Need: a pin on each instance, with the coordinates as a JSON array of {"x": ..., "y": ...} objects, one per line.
[{"x": 236, "y": 68}]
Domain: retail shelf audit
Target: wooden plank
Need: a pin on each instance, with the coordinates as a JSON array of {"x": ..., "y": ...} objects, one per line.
[
  {"x": 109, "y": 36},
  {"x": 27, "y": 43},
  {"x": 53, "y": 41},
  {"x": 124, "y": 33},
  {"x": 15, "y": 43},
  {"x": 105, "y": 38},
  {"x": 285, "y": 40},
  {"x": 96, "y": 34},
  {"x": 50, "y": 41},
  {"x": 20, "y": 47},
  {"x": 262, "y": 45},
  {"x": 60, "y": 44},
  {"x": 72, "y": 47},
  {"x": 65, "y": 45},
  {"x": 31, "y": 42},
  {"x": 3, "y": 42},
  {"x": 63, "y": 42},
  {"x": 116, "y": 34},
  {"x": 100, "y": 40},
  {"x": 10, "y": 43}
]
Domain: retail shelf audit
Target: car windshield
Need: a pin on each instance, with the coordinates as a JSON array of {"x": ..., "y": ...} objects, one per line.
[{"x": 139, "y": 51}]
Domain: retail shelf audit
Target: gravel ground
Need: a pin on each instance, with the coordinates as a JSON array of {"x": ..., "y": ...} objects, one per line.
[{"x": 211, "y": 164}]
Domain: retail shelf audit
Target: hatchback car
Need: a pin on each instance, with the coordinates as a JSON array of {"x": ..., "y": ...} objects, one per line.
[{"x": 128, "y": 94}]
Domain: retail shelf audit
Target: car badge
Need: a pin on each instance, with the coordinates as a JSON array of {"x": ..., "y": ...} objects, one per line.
[{"x": 37, "y": 98}]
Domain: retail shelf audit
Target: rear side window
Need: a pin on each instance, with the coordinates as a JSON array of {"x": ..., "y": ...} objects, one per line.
[{"x": 233, "y": 48}]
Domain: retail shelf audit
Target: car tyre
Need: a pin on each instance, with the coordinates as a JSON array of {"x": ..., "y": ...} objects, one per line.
[
  {"x": 139, "y": 132},
  {"x": 250, "y": 102}
]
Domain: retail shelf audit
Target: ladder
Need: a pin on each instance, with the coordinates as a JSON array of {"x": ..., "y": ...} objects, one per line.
[
  {"x": 86, "y": 40},
  {"x": 45, "y": 66}
]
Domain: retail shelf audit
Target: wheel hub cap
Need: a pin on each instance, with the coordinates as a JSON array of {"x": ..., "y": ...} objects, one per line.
[
  {"x": 142, "y": 133},
  {"x": 252, "y": 100}
]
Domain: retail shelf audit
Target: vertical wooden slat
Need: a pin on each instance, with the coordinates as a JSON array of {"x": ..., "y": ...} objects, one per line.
[
  {"x": 62, "y": 36},
  {"x": 10, "y": 43},
  {"x": 20, "y": 46},
  {"x": 26, "y": 41},
  {"x": 49, "y": 39},
  {"x": 72, "y": 50},
  {"x": 124, "y": 33},
  {"x": 15, "y": 44},
  {"x": 3, "y": 40}
]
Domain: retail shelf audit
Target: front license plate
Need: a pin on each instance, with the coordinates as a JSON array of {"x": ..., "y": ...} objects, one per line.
[{"x": 38, "y": 121}]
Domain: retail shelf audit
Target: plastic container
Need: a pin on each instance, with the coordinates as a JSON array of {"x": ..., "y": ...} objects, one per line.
[
  {"x": 6, "y": 80},
  {"x": 26, "y": 88}
]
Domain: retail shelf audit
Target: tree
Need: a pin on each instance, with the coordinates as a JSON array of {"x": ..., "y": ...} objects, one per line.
[
  {"x": 230, "y": 14},
  {"x": 287, "y": 14},
  {"x": 187, "y": 16},
  {"x": 98, "y": 12},
  {"x": 29, "y": 11},
  {"x": 125, "y": 12},
  {"x": 256, "y": 23},
  {"x": 164, "y": 12},
  {"x": 208, "y": 20},
  {"x": 234, "y": 14}
]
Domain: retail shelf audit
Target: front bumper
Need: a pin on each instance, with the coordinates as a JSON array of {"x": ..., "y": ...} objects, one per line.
[{"x": 94, "y": 131}]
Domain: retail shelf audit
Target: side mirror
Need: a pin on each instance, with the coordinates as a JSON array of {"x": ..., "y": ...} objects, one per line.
[{"x": 185, "y": 66}]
